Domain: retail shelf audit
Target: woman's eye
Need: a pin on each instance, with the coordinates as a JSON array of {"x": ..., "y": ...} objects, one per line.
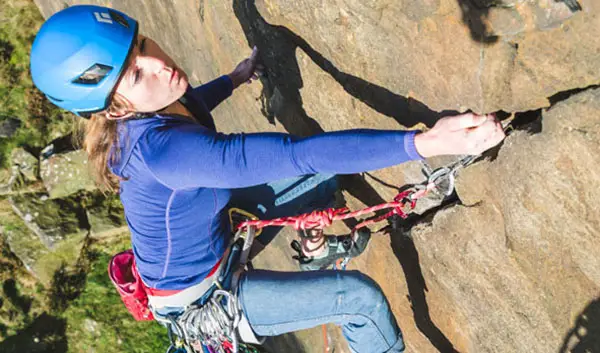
[{"x": 137, "y": 75}]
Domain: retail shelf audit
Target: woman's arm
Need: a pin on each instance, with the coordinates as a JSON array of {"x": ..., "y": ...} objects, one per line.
[
  {"x": 185, "y": 155},
  {"x": 189, "y": 156},
  {"x": 214, "y": 92}
]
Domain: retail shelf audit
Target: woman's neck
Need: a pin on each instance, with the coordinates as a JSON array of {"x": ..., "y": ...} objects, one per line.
[{"x": 176, "y": 108}]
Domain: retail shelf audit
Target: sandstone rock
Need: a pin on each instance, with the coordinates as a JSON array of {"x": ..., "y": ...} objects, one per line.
[
  {"x": 507, "y": 274},
  {"x": 436, "y": 68},
  {"x": 522, "y": 259},
  {"x": 66, "y": 173},
  {"x": 26, "y": 163},
  {"x": 537, "y": 15}
]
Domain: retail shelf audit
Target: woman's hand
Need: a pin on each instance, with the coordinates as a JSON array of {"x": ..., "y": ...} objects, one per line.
[
  {"x": 462, "y": 134},
  {"x": 247, "y": 70}
]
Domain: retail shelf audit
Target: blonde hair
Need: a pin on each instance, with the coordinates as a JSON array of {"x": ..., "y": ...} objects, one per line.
[{"x": 100, "y": 139}]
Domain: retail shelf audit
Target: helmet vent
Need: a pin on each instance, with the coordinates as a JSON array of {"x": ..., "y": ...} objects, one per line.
[
  {"x": 117, "y": 17},
  {"x": 93, "y": 75}
]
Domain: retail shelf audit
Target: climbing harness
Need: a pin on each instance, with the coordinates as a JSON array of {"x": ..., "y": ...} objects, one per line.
[
  {"x": 206, "y": 317},
  {"x": 214, "y": 321},
  {"x": 210, "y": 318}
]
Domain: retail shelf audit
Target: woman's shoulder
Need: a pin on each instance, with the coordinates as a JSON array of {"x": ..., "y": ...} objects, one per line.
[{"x": 135, "y": 132}]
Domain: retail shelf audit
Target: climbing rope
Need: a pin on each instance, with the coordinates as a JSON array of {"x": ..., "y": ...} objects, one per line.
[
  {"x": 402, "y": 204},
  {"x": 214, "y": 324},
  {"x": 440, "y": 180},
  {"x": 320, "y": 219}
]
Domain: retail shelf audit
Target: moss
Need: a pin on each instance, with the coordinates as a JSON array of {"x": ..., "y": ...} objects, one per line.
[
  {"x": 42, "y": 122},
  {"x": 98, "y": 320},
  {"x": 105, "y": 212},
  {"x": 65, "y": 255},
  {"x": 21, "y": 295},
  {"x": 57, "y": 219}
]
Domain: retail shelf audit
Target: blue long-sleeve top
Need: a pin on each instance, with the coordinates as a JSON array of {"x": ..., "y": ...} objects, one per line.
[{"x": 177, "y": 175}]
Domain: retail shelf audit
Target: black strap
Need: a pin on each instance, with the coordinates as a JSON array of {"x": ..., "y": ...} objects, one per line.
[{"x": 200, "y": 113}]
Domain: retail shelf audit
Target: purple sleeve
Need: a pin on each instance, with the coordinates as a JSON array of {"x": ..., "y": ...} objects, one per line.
[
  {"x": 214, "y": 92},
  {"x": 190, "y": 156}
]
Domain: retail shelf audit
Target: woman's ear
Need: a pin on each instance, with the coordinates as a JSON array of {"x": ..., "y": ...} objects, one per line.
[{"x": 118, "y": 115}]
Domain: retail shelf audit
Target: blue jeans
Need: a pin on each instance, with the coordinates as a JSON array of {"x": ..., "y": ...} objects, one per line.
[{"x": 307, "y": 299}]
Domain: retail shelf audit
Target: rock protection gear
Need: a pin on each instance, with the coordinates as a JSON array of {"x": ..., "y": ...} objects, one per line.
[{"x": 79, "y": 54}]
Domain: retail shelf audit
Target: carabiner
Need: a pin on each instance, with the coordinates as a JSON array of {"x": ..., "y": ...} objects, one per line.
[{"x": 443, "y": 179}]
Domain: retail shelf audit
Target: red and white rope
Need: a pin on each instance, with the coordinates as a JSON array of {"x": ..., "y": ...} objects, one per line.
[{"x": 320, "y": 219}]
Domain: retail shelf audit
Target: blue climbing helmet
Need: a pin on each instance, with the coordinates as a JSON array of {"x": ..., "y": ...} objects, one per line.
[{"x": 79, "y": 54}]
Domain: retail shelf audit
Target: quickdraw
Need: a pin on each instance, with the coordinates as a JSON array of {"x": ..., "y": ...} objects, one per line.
[{"x": 441, "y": 181}]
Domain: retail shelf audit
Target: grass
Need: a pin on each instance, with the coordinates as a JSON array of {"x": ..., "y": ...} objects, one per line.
[
  {"x": 82, "y": 305},
  {"x": 41, "y": 121},
  {"x": 98, "y": 321},
  {"x": 81, "y": 311}
]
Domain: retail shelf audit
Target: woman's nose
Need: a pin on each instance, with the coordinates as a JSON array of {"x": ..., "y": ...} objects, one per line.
[{"x": 153, "y": 64}]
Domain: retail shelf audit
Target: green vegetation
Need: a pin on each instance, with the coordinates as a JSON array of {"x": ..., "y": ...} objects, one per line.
[
  {"x": 41, "y": 121},
  {"x": 80, "y": 311},
  {"x": 98, "y": 321},
  {"x": 76, "y": 308}
]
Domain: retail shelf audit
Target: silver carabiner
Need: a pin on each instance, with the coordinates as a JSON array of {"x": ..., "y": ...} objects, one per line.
[{"x": 443, "y": 179}]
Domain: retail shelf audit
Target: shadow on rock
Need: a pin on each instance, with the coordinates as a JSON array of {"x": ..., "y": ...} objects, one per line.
[
  {"x": 474, "y": 15},
  {"x": 288, "y": 342},
  {"x": 406, "y": 252},
  {"x": 584, "y": 337},
  {"x": 59, "y": 145},
  {"x": 12, "y": 294},
  {"x": 46, "y": 334},
  {"x": 281, "y": 97},
  {"x": 68, "y": 283},
  {"x": 281, "y": 100}
]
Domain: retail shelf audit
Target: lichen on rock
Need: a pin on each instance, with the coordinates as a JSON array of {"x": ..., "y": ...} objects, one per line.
[{"x": 66, "y": 173}]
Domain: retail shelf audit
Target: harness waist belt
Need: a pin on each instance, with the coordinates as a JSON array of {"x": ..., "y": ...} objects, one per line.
[{"x": 189, "y": 295}]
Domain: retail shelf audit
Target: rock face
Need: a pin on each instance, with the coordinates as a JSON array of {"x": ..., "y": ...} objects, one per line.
[
  {"x": 8, "y": 126},
  {"x": 104, "y": 213},
  {"x": 523, "y": 245},
  {"x": 26, "y": 163},
  {"x": 515, "y": 267},
  {"x": 46, "y": 234},
  {"x": 66, "y": 173},
  {"x": 53, "y": 234}
]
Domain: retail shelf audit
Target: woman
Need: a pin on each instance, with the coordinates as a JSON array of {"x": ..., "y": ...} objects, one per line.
[{"x": 152, "y": 134}]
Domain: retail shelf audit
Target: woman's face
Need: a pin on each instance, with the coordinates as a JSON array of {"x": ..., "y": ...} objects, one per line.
[{"x": 151, "y": 81}]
